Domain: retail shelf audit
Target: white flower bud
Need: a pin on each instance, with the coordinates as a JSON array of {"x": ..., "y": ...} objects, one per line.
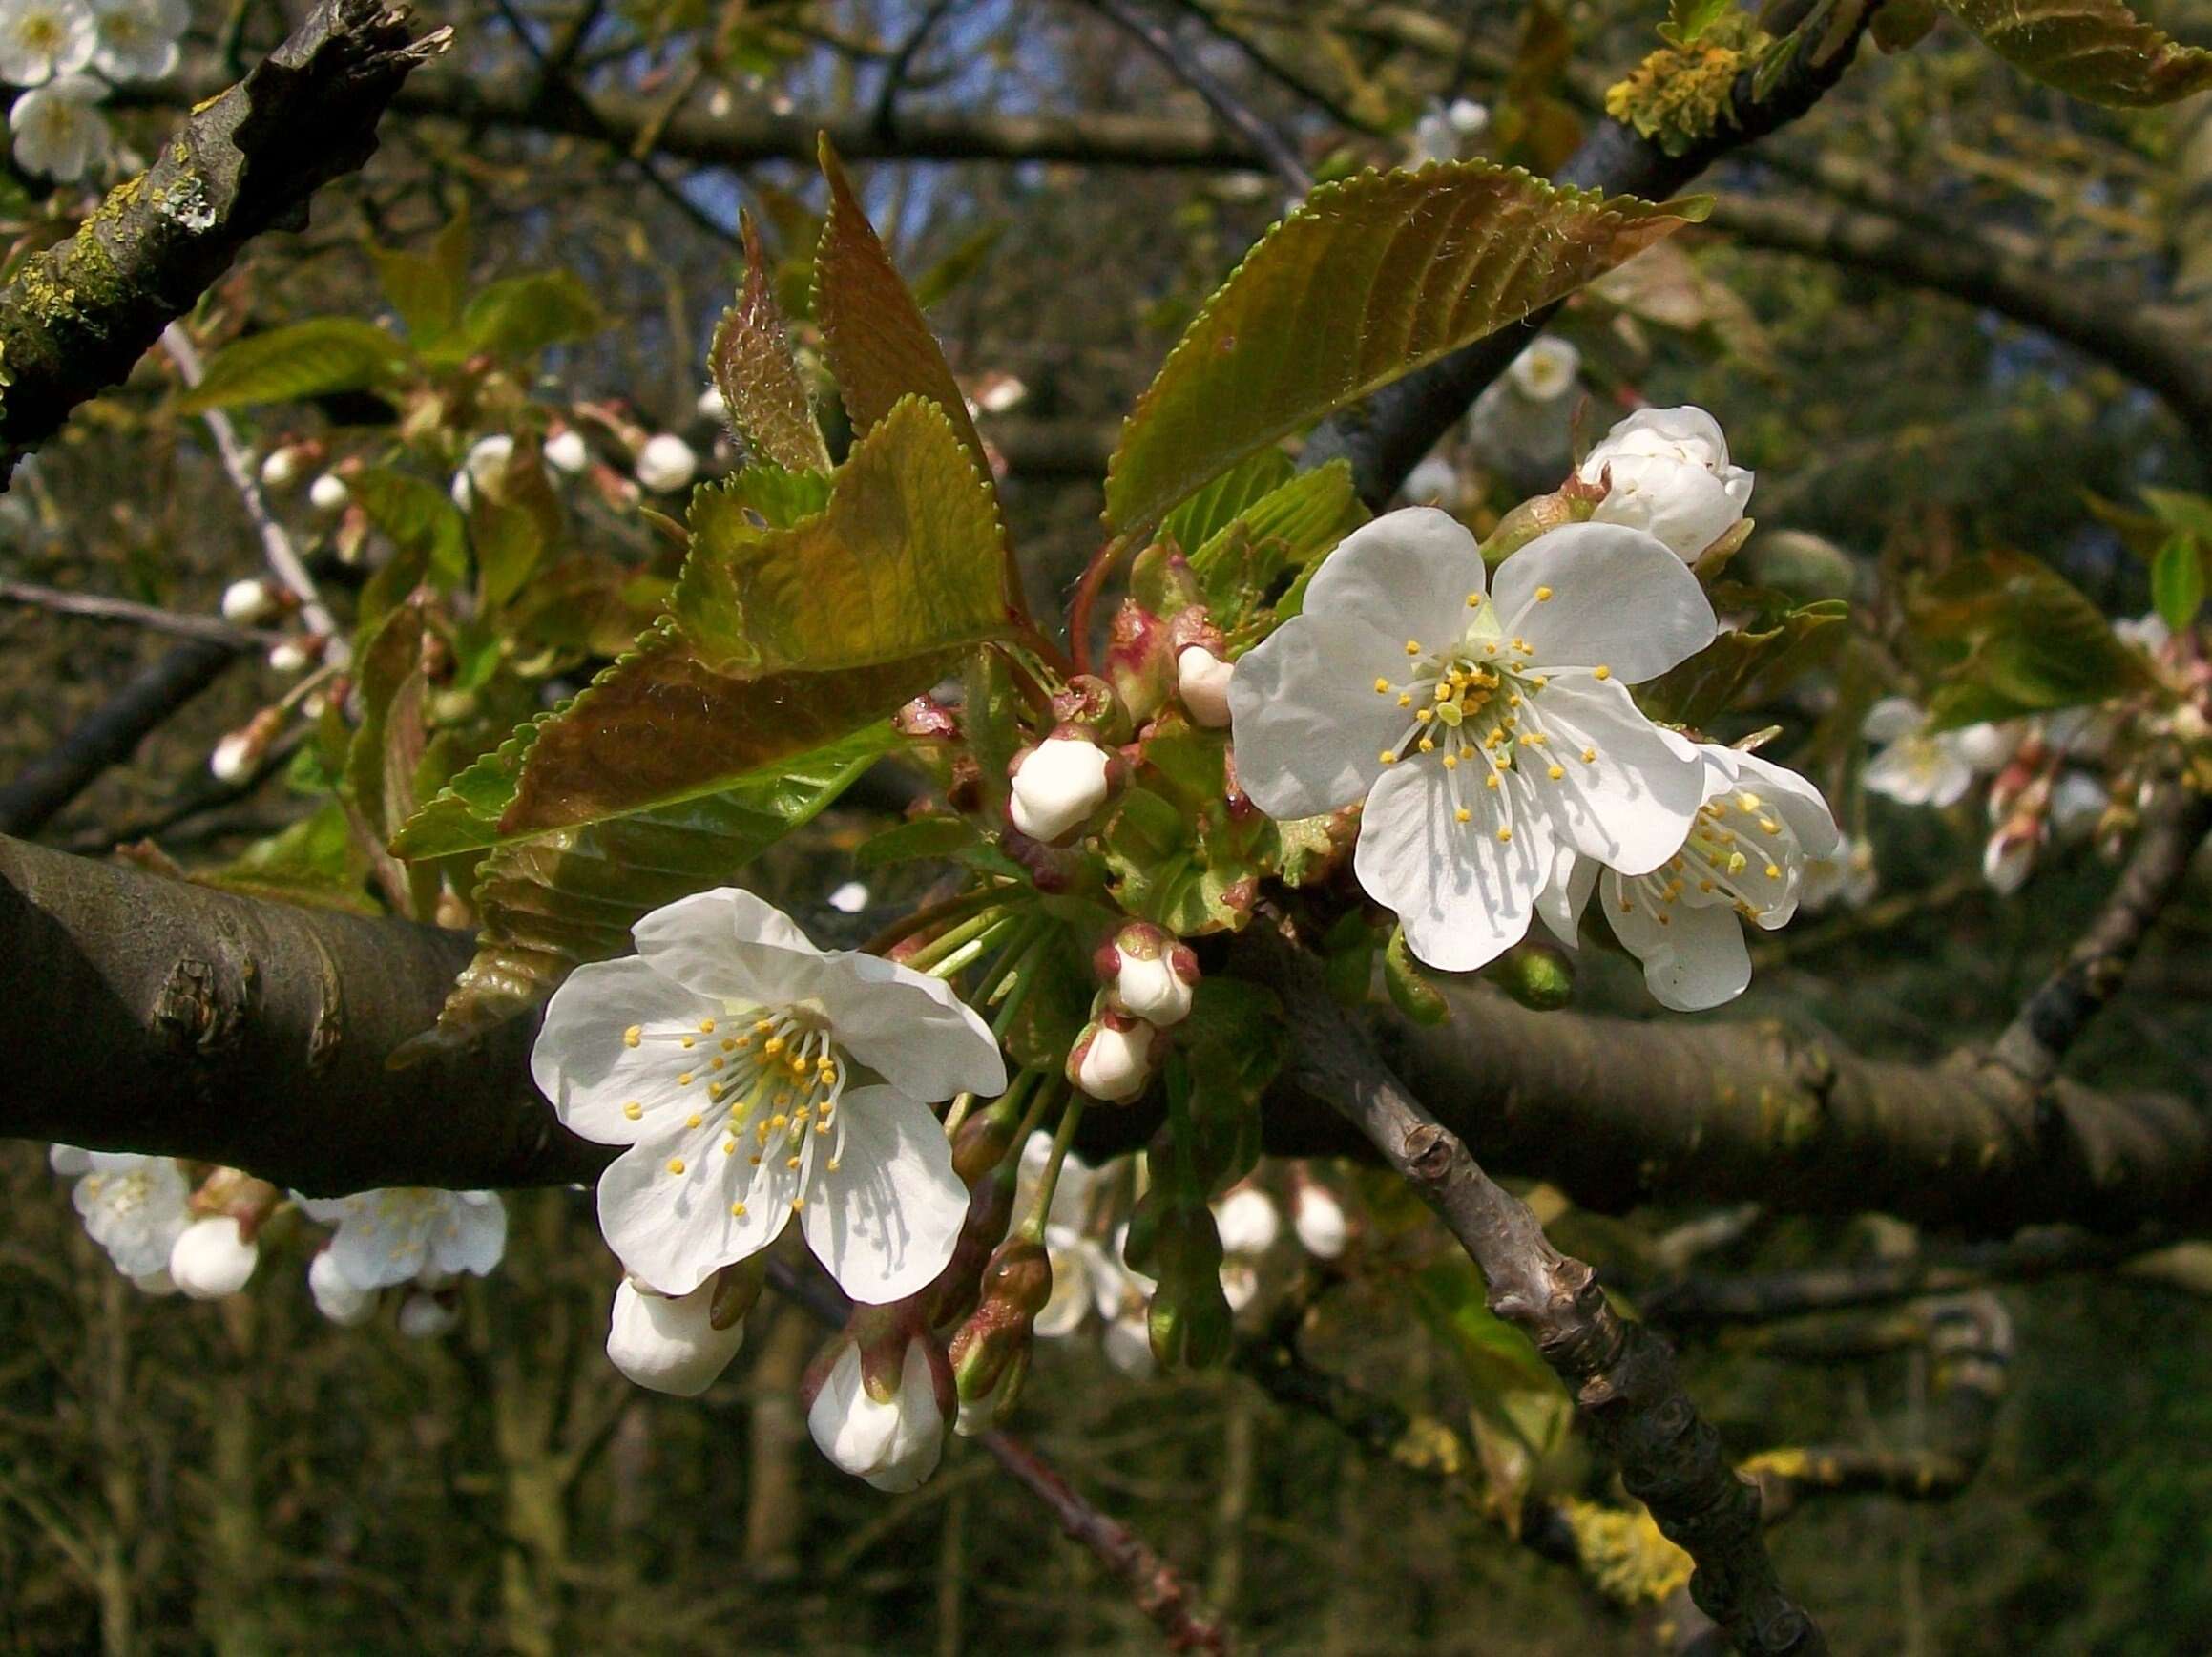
[
  {"x": 1148, "y": 974},
  {"x": 895, "y": 1446},
  {"x": 568, "y": 452},
  {"x": 1115, "y": 1059},
  {"x": 666, "y": 464},
  {"x": 1056, "y": 785},
  {"x": 1240, "y": 1284},
  {"x": 337, "y": 1297},
  {"x": 488, "y": 458},
  {"x": 211, "y": 1258},
  {"x": 850, "y": 899},
  {"x": 290, "y": 655},
  {"x": 281, "y": 468},
  {"x": 249, "y": 603},
  {"x": 235, "y": 754},
  {"x": 1247, "y": 1221},
  {"x": 711, "y": 406},
  {"x": 1202, "y": 679},
  {"x": 1319, "y": 1220},
  {"x": 1434, "y": 482},
  {"x": 426, "y": 1316},
  {"x": 328, "y": 492},
  {"x": 1668, "y": 473},
  {"x": 462, "y": 489},
  {"x": 1986, "y": 746},
  {"x": 668, "y": 1344}
]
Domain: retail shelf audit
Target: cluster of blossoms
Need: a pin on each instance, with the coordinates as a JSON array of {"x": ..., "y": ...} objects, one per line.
[
  {"x": 66, "y": 53},
  {"x": 1488, "y": 732},
  {"x": 168, "y": 1237}
]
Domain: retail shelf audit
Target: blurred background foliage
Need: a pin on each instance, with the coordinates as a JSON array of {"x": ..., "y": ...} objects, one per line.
[{"x": 242, "y": 1477}]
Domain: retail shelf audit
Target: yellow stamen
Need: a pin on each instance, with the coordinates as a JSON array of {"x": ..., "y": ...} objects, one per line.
[{"x": 1601, "y": 671}]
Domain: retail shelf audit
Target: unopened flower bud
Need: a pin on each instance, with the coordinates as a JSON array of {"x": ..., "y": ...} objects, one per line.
[
  {"x": 1162, "y": 581},
  {"x": 669, "y": 1344},
  {"x": 1319, "y": 1220},
  {"x": 2010, "y": 856},
  {"x": 1148, "y": 973},
  {"x": 566, "y": 451},
  {"x": 1113, "y": 1058},
  {"x": 1138, "y": 662},
  {"x": 1433, "y": 482},
  {"x": 293, "y": 655},
  {"x": 1535, "y": 974},
  {"x": 236, "y": 753},
  {"x": 712, "y": 406},
  {"x": 989, "y": 1352},
  {"x": 1057, "y": 785},
  {"x": 1247, "y": 1221},
  {"x": 280, "y": 466},
  {"x": 1667, "y": 472},
  {"x": 927, "y": 720},
  {"x": 1524, "y": 523},
  {"x": 328, "y": 492},
  {"x": 427, "y": 1316},
  {"x": 1087, "y": 706},
  {"x": 337, "y": 1297},
  {"x": 1202, "y": 682},
  {"x": 666, "y": 464},
  {"x": 249, "y": 603},
  {"x": 212, "y": 1258},
  {"x": 883, "y": 1422}
]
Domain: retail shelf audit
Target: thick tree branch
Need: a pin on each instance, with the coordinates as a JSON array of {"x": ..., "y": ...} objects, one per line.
[
  {"x": 78, "y": 315},
  {"x": 1622, "y": 1377}
]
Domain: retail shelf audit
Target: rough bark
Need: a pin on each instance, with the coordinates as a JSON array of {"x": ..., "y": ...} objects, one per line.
[{"x": 78, "y": 315}]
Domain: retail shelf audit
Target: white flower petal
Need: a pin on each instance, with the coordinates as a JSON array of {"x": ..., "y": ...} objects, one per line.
[
  {"x": 673, "y": 1231},
  {"x": 1463, "y": 896},
  {"x": 1891, "y": 718},
  {"x": 1697, "y": 960},
  {"x": 1561, "y": 904},
  {"x": 1686, "y": 507},
  {"x": 584, "y": 1066},
  {"x": 1308, "y": 723},
  {"x": 908, "y": 1027},
  {"x": 1619, "y": 599},
  {"x": 885, "y": 1222},
  {"x": 1629, "y": 806},
  {"x": 1406, "y": 575},
  {"x": 668, "y": 1344},
  {"x": 1801, "y": 806},
  {"x": 730, "y": 944}
]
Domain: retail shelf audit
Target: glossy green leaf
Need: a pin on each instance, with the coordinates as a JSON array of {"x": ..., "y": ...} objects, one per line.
[
  {"x": 307, "y": 358},
  {"x": 1214, "y": 508},
  {"x": 924, "y": 837},
  {"x": 1279, "y": 536},
  {"x": 1687, "y": 19},
  {"x": 426, "y": 287},
  {"x": 2178, "y": 581},
  {"x": 2099, "y": 50},
  {"x": 1367, "y": 281},
  {"x": 2015, "y": 637},
  {"x": 521, "y": 316},
  {"x": 753, "y": 369},
  {"x": 427, "y": 530},
  {"x": 315, "y": 862},
  {"x": 907, "y": 556},
  {"x": 546, "y": 903},
  {"x": 1748, "y": 666},
  {"x": 872, "y": 333}
]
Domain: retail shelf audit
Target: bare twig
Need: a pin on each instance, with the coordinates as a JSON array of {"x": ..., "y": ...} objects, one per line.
[
  {"x": 1621, "y": 1375},
  {"x": 2035, "y": 1043},
  {"x": 283, "y": 558},
  {"x": 1225, "y": 103},
  {"x": 210, "y": 629}
]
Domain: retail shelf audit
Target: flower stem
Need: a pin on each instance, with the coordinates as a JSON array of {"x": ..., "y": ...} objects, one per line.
[
  {"x": 976, "y": 946},
  {"x": 929, "y": 915},
  {"x": 1033, "y": 1224},
  {"x": 925, "y": 958}
]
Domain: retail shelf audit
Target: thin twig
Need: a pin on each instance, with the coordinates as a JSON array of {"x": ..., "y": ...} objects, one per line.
[
  {"x": 1621, "y": 1375},
  {"x": 1225, "y": 103},
  {"x": 884, "y": 117},
  {"x": 154, "y": 620}
]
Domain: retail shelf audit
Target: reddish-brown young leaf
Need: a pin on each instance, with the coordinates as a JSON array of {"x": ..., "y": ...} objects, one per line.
[{"x": 751, "y": 363}]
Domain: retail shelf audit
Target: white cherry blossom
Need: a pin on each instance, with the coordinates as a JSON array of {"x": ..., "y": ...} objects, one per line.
[
  {"x": 566, "y": 451},
  {"x": 1248, "y": 1221},
  {"x": 666, "y": 464},
  {"x": 1667, "y": 472},
  {"x": 390, "y": 1237},
  {"x": 1743, "y": 859},
  {"x": 134, "y": 1206},
  {"x": 1433, "y": 482},
  {"x": 58, "y": 128},
  {"x": 40, "y": 39},
  {"x": 1917, "y": 766},
  {"x": 894, "y": 1443},
  {"x": 1848, "y": 876},
  {"x": 1488, "y": 732},
  {"x": 213, "y": 1258},
  {"x": 336, "y": 1295},
  {"x": 669, "y": 1344},
  {"x": 1546, "y": 370},
  {"x": 729, "y": 1055},
  {"x": 138, "y": 39}
]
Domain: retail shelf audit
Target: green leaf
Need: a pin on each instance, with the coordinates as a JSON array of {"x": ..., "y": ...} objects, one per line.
[
  {"x": 872, "y": 333},
  {"x": 307, "y": 358},
  {"x": 966, "y": 259},
  {"x": 425, "y": 288},
  {"x": 2178, "y": 581},
  {"x": 924, "y": 837},
  {"x": 1284, "y": 533},
  {"x": 546, "y": 903},
  {"x": 1367, "y": 281},
  {"x": 1233, "y": 1041},
  {"x": 314, "y": 862},
  {"x": 1167, "y": 872},
  {"x": 1749, "y": 666},
  {"x": 907, "y": 557},
  {"x": 2097, "y": 50},
  {"x": 521, "y": 316},
  {"x": 1687, "y": 19},
  {"x": 2191, "y": 515},
  {"x": 1214, "y": 508},
  {"x": 2017, "y": 637},
  {"x": 427, "y": 529},
  {"x": 751, "y": 363},
  {"x": 514, "y": 522}
]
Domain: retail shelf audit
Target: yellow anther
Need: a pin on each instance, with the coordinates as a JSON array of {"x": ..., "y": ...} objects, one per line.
[
  {"x": 706, "y": 1026},
  {"x": 1382, "y": 684},
  {"x": 1557, "y": 772},
  {"x": 1489, "y": 650},
  {"x": 1543, "y": 594},
  {"x": 633, "y": 1110},
  {"x": 1463, "y": 815},
  {"x": 791, "y": 1162},
  {"x": 1504, "y": 835},
  {"x": 778, "y": 1122},
  {"x": 676, "y": 1165},
  {"x": 716, "y": 1089},
  {"x": 1704, "y": 886},
  {"x": 1404, "y": 698},
  {"x": 1589, "y": 756},
  {"x": 634, "y": 1035},
  {"x": 1451, "y": 762},
  {"x": 1774, "y": 871},
  {"x": 1769, "y": 826},
  {"x": 1738, "y": 863},
  {"x": 688, "y": 1042},
  {"x": 1474, "y": 600},
  {"x": 729, "y": 1147},
  {"x": 783, "y": 1098},
  {"x": 693, "y": 1120},
  {"x": 1387, "y": 756},
  {"x": 1747, "y": 801},
  {"x": 737, "y": 1210},
  {"x": 1427, "y": 745},
  {"x": 835, "y": 1164},
  {"x": 796, "y": 1203},
  {"x": 772, "y": 1046},
  {"x": 1443, "y": 693},
  {"x": 683, "y": 1079},
  {"x": 1514, "y": 701},
  {"x": 1491, "y": 781},
  {"x": 1601, "y": 671},
  {"x": 1539, "y": 682},
  {"x": 1423, "y": 715},
  {"x": 718, "y": 1063}
]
